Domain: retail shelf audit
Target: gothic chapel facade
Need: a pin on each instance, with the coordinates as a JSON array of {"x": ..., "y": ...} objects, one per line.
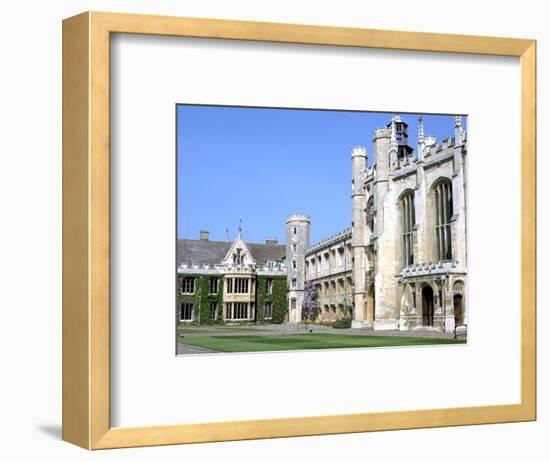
[{"x": 403, "y": 263}]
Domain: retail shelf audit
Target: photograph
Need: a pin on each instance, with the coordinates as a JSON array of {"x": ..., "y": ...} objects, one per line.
[{"x": 301, "y": 229}]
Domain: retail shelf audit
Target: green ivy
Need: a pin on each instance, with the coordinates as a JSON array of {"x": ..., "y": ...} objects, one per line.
[
  {"x": 344, "y": 322},
  {"x": 278, "y": 297},
  {"x": 203, "y": 298}
]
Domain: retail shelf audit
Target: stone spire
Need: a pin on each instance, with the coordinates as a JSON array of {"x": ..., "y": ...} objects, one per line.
[
  {"x": 240, "y": 228},
  {"x": 394, "y": 161},
  {"x": 421, "y": 140},
  {"x": 459, "y": 131}
]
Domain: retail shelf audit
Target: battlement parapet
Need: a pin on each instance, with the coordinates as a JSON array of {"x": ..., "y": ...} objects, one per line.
[
  {"x": 447, "y": 145},
  {"x": 359, "y": 151},
  {"x": 205, "y": 269},
  {"x": 339, "y": 236},
  {"x": 430, "y": 268},
  {"x": 298, "y": 217},
  {"x": 381, "y": 133}
]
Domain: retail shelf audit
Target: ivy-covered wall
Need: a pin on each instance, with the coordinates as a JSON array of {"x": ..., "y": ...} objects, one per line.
[
  {"x": 203, "y": 298},
  {"x": 278, "y": 297}
]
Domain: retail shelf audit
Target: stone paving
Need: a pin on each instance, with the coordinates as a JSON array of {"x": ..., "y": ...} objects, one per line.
[{"x": 188, "y": 349}]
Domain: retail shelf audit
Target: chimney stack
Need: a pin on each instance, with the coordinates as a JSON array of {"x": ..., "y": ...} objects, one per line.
[{"x": 204, "y": 234}]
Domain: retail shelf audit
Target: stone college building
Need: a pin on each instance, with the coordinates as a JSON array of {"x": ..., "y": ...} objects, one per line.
[{"x": 402, "y": 265}]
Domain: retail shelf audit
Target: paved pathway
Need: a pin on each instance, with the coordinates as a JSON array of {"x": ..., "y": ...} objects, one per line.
[{"x": 188, "y": 349}]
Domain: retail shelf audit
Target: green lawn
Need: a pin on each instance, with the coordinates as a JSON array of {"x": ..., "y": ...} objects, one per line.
[
  {"x": 191, "y": 330},
  {"x": 241, "y": 343}
]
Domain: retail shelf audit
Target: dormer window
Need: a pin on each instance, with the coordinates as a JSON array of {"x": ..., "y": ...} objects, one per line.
[{"x": 239, "y": 258}]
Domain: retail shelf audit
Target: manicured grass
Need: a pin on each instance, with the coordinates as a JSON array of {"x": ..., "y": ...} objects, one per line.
[
  {"x": 241, "y": 343},
  {"x": 191, "y": 330}
]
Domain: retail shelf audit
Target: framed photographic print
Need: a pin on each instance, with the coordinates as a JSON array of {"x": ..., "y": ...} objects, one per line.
[{"x": 278, "y": 230}]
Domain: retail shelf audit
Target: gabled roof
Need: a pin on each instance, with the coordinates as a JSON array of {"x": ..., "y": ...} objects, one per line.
[
  {"x": 238, "y": 243},
  {"x": 213, "y": 252}
]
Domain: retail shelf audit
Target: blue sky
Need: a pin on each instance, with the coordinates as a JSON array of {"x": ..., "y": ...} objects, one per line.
[{"x": 261, "y": 164}]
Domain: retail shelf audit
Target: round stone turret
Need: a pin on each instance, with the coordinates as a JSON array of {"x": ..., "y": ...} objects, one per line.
[
  {"x": 297, "y": 242},
  {"x": 297, "y": 217},
  {"x": 359, "y": 151}
]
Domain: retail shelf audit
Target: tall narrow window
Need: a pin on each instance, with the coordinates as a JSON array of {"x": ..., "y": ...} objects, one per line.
[
  {"x": 239, "y": 311},
  {"x": 443, "y": 199},
  {"x": 370, "y": 213},
  {"x": 268, "y": 311},
  {"x": 186, "y": 312},
  {"x": 407, "y": 226},
  {"x": 239, "y": 285},
  {"x": 214, "y": 285},
  {"x": 188, "y": 285},
  {"x": 213, "y": 311},
  {"x": 269, "y": 286}
]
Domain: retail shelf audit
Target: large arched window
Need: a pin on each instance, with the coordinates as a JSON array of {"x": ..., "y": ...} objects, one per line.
[
  {"x": 443, "y": 199},
  {"x": 407, "y": 227}
]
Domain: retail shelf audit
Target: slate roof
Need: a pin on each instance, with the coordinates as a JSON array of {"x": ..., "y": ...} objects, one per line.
[
  {"x": 212, "y": 252},
  {"x": 263, "y": 252}
]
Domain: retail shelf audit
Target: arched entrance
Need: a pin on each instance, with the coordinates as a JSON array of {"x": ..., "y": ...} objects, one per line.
[
  {"x": 427, "y": 306},
  {"x": 458, "y": 309}
]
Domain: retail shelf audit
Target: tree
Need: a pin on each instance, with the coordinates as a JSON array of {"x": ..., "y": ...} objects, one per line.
[{"x": 310, "y": 307}]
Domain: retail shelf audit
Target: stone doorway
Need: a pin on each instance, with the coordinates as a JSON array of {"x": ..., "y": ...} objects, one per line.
[
  {"x": 458, "y": 309},
  {"x": 427, "y": 306}
]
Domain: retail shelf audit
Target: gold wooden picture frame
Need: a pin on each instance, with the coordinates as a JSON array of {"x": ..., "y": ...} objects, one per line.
[{"x": 86, "y": 230}]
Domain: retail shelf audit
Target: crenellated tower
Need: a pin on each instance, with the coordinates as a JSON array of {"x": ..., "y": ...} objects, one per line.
[
  {"x": 392, "y": 155},
  {"x": 297, "y": 242}
]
